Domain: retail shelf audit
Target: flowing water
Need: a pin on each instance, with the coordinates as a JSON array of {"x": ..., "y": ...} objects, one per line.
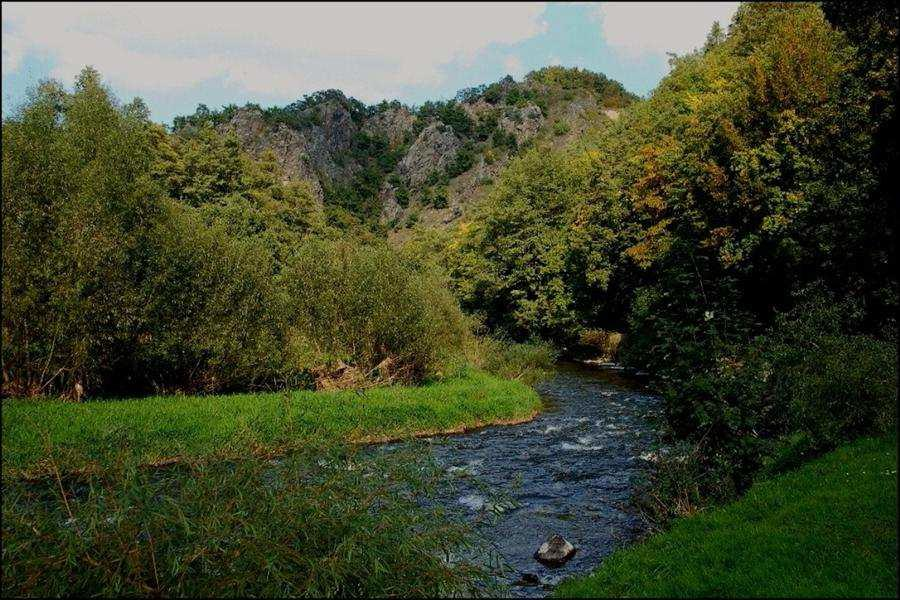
[{"x": 571, "y": 471}]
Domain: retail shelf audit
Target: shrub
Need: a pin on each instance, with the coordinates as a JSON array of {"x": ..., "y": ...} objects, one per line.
[
  {"x": 362, "y": 305},
  {"x": 801, "y": 389},
  {"x": 504, "y": 139},
  {"x": 462, "y": 162},
  {"x": 411, "y": 219},
  {"x": 215, "y": 319},
  {"x": 78, "y": 202},
  {"x": 526, "y": 361},
  {"x": 438, "y": 198},
  {"x": 401, "y": 194}
]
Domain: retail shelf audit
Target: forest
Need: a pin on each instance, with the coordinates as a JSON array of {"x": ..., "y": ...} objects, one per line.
[{"x": 737, "y": 226}]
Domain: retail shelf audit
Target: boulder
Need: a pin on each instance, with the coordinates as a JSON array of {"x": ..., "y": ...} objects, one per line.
[{"x": 555, "y": 551}]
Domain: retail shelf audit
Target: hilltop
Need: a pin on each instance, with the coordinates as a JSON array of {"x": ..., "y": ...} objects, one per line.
[{"x": 398, "y": 165}]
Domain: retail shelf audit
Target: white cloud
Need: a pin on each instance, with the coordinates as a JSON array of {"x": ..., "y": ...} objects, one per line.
[
  {"x": 641, "y": 28},
  {"x": 513, "y": 65},
  {"x": 274, "y": 49}
]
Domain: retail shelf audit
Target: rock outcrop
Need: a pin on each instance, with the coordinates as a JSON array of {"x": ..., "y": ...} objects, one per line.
[
  {"x": 411, "y": 160},
  {"x": 290, "y": 147},
  {"x": 433, "y": 150},
  {"x": 555, "y": 551}
]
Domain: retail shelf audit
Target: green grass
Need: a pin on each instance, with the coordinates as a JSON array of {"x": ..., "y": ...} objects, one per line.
[
  {"x": 326, "y": 520},
  {"x": 826, "y": 529},
  {"x": 38, "y": 435}
]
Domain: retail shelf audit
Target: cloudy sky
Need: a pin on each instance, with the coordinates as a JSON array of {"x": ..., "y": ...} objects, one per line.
[{"x": 177, "y": 55}]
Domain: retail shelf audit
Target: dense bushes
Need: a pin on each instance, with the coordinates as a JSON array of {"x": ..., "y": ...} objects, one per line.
[
  {"x": 801, "y": 388},
  {"x": 536, "y": 260},
  {"x": 365, "y": 304},
  {"x": 745, "y": 203},
  {"x": 79, "y": 207},
  {"x": 525, "y": 361},
  {"x": 135, "y": 260},
  {"x": 610, "y": 94}
]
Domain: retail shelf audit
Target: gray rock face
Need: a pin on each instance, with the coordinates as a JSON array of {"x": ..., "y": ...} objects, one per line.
[
  {"x": 328, "y": 141},
  {"x": 433, "y": 150},
  {"x": 555, "y": 551},
  {"x": 320, "y": 141},
  {"x": 394, "y": 123},
  {"x": 291, "y": 148},
  {"x": 523, "y": 123},
  {"x": 390, "y": 208},
  {"x": 314, "y": 153}
]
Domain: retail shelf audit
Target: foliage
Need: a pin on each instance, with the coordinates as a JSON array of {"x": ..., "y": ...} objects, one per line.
[
  {"x": 136, "y": 260},
  {"x": 448, "y": 113},
  {"x": 529, "y": 362},
  {"x": 300, "y": 114},
  {"x": 561, "y": 128},
  {"x": 79, "y": 207},
  {"x": 366, "y": 304},
  {"x": 521, "y": 264},
  {"x": 800, "y": 389},
  {"x": 463, "y": 161},
  {"x": 746, "y": 198},
  {"x": 610, "y": 93}
]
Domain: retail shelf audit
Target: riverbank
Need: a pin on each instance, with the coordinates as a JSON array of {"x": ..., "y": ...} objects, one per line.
[
  {"x": 827, "y": 529},
  {"x": 40, "y": 437}
]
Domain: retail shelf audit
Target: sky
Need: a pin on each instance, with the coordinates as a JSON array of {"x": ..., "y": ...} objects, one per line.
[{"x": 175, "y": 56}]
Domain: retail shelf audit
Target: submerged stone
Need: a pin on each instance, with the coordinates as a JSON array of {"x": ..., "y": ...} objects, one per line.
[{"x": 555, "y": 551}]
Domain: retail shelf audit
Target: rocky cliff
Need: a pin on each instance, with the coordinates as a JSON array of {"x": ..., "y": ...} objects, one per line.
[{"x": 400, "y": 165}]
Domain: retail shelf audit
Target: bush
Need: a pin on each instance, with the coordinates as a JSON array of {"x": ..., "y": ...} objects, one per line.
[
  {"x": 401, "y": 194},
  {"x": 215, "y": 316},
  {"x": 834, "y": 386},
  {"x": 438, "y": 198},
  {"x": 362, "y": 305},
  {"x": 526, "y": 361},
  {"x": 78, "y": 203},
  {"x": 799, "y": 390},
  {"x": 561, "y": 128}
]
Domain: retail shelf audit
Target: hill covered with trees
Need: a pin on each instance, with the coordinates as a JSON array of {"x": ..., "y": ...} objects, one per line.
[{"x": 394, "y": 165}]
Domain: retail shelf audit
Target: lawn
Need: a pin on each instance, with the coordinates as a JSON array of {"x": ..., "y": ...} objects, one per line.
[
  {"x": 826, "y": 529},
  {"x": 39, "y": 436}
]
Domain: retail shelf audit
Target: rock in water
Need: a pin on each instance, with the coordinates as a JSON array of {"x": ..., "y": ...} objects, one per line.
[{"x": 555, "y": 551}]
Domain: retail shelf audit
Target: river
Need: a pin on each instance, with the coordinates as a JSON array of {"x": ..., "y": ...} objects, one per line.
[{"x": 571, "y": 471}]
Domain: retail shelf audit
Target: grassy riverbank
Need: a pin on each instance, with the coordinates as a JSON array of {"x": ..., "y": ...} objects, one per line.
[
  {"x": 328, "y": 519},
  {"x": 39, "y": 436},
  {"x": 827, "y": 529}
]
